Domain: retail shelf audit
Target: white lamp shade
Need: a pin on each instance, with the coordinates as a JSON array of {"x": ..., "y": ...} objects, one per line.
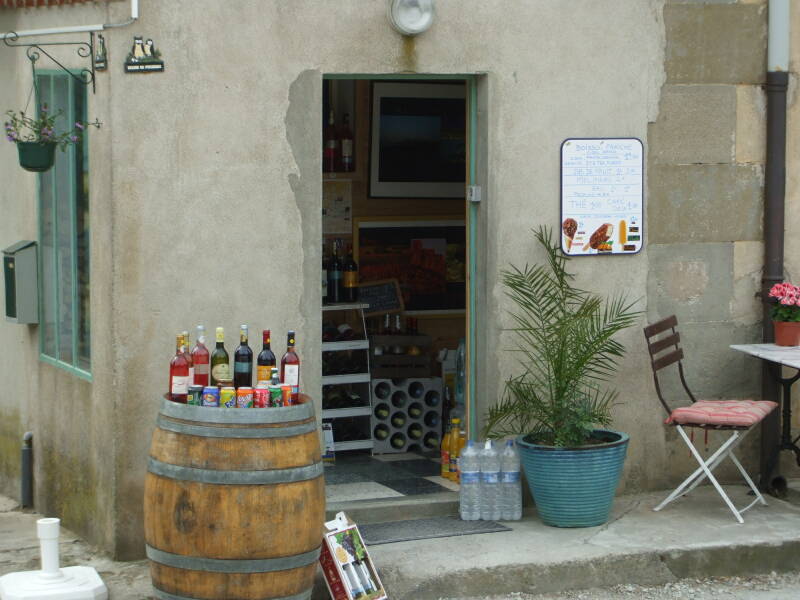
[{"x": 411, "y": 17}]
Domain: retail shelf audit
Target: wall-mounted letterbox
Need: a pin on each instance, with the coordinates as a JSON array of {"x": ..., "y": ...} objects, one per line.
[{"x": 21, "y": 283}]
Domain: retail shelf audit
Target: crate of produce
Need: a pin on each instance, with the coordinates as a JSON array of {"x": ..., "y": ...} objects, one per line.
[
  {"x": 398, "y": 356},
  {"x": 406, "y": 414}
]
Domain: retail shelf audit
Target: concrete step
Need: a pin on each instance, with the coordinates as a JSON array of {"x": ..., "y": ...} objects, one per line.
[
  {"x": 695, "y": 536},
  {"x": 396, "y": 509}
]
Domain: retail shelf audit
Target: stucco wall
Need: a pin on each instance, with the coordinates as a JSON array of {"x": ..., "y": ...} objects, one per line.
[
  {"x": 206, "y": 184},
  {"x": 72, "y": 419}
]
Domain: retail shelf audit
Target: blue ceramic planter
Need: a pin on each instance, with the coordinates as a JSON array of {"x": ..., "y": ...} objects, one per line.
[{"x": 574, "y": 487}]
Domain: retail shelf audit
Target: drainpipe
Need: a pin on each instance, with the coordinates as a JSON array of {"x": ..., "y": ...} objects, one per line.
[
  {"x": 74, "y": 28},
  {"x": 774, "y": 200},
  {"x": 26, "y": 495}
]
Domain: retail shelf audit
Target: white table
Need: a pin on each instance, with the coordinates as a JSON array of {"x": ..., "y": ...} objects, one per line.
[{"x": 777, "y": 357}]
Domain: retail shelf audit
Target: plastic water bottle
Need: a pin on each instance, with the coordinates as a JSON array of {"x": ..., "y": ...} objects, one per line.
[
  {"x": 510, "y": 484},
  {"x": 470, "y": 492},
  {"x": 490, "y": 482}
]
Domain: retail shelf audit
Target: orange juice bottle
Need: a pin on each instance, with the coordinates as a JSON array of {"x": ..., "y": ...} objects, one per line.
[
  {"x": 462, "y": 441},
  {"x": 445, "y": 472},
  {"x": 453, "y": 444}
]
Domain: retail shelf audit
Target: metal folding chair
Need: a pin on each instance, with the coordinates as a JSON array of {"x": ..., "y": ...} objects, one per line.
[{"x": 737, "y": 416}]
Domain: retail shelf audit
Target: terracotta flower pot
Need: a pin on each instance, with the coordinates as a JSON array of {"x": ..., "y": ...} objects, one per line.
[{"x": 787, "y": 333}]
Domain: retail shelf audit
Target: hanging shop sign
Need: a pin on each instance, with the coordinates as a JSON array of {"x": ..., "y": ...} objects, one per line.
[
  {"x": 143, "y": 57},
  {"x": 602, "y": 196},
  {"x": 101, "y": 54}
]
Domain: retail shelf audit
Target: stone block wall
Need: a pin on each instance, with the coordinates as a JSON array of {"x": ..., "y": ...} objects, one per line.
[{"x": 705, "y": 192}]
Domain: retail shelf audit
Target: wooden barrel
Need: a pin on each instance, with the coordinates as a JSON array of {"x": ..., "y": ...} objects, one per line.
[{"x": 234, "y": 502}]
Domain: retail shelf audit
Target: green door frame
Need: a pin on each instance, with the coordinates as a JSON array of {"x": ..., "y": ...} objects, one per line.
[{"x": 472, "y": 220}]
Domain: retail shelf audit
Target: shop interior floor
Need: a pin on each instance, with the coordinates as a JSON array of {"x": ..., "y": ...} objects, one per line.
[{"x": 362, "y": 476}]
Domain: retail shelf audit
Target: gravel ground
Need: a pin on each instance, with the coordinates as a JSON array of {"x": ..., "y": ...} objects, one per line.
[{"x": 761, "y": 587}]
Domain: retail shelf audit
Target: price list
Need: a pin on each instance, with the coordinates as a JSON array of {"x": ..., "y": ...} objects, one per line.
[{"x": 602, "y": 183}]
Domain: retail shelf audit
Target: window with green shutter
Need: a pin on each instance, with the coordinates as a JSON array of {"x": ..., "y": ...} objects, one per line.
[{"x": 64, "y": 229}]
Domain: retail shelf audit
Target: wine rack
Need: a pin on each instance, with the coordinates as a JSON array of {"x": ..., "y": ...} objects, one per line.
[
  {"x": 406, "y": 414},
  {"x": 350, "y": 422}
]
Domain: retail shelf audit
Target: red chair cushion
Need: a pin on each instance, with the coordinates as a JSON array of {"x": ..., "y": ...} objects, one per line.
[{"x": 737, "y": 413}]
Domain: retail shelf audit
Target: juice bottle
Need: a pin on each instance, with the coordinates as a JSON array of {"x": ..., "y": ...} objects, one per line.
[
  {"x": 453, "y": 443},
  {"x": 462, "y": 442},
  {"x": 446, "y": 453}
]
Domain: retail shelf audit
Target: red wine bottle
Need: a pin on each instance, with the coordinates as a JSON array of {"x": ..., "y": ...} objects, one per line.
[
  {"x": 200, "y": 356},
  {"x": 243, "y": 361},
  {"x": 266, "y": 358},
  {"x": 178, "y": 373},
  {"x": 290, "y": 368}
]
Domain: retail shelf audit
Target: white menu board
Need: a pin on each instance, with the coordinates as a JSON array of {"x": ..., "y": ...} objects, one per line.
[{"x": 602, "y": 193}]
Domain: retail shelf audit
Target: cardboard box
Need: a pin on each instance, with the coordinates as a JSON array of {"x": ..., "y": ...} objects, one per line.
[{"x": 348, "y": 569}]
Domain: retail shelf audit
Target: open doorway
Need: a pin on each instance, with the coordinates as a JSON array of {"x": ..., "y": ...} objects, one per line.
[{"x": 395, "y": 286}]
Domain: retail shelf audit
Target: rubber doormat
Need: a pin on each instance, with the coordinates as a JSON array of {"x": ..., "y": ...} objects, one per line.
[{"x": 421, "y": 529}]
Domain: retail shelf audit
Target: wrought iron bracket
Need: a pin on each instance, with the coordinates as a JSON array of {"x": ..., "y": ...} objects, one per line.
[{"x": 34, "y": 52}]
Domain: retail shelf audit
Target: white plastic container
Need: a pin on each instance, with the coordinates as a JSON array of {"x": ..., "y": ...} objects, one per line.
[
  {"x": 510, "y": 484},
  {"x": 490, "y": 482},
  {"x": 470, "y": 491}
]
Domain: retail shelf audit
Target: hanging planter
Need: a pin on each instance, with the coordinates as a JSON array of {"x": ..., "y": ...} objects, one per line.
[
  {"x": 35, "y": 156},
  {"x": 36, "y": 138}
]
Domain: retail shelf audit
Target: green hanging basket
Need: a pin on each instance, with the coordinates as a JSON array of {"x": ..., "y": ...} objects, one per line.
[{"x": 36, "y": 157}]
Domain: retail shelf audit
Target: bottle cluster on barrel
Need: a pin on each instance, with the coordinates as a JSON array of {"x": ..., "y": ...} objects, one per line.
[{"x": 201, "y": 377}]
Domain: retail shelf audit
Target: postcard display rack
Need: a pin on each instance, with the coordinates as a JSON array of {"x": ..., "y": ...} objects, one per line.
[{"x": 356, "y": 381}]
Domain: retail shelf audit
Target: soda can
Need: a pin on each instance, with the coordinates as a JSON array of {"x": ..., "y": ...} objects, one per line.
[
  {"x": 261, "y": 398},
  {"x": 286, "y": 395},
  {"x": 195, "y": 397},
  {"x": 227, "y": 397},
  {"x": 244, "y": 397},
  {"x": 275, "y": 396},
  {"x": 211, "y": 396}
]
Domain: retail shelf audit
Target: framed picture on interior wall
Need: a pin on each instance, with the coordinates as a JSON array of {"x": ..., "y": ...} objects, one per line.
[
  {"x": 426, "y": 255},
  {"x": 418, "y": 141}
]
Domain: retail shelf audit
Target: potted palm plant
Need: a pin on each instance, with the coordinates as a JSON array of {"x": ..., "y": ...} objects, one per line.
[
  {"x": 557, "y": 402},
  {"x": 36, "y": 137}
]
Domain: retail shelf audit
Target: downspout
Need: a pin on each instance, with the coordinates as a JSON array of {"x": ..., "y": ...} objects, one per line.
[
  {"x": 774, "y": 201},
  {"x": 74, "y": 28}
]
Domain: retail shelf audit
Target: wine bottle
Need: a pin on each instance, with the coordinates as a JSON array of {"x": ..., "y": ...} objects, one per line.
[
  {"x": 178, "y": 373},
  {"x": 243, "y": 361},
  {"x": 398, "y": 419},
  {"x": 330, "y": 332},
  {"x": 350, "y": 278},
  {"x": 187, "y": 354},
  {"x": 266, "y": 358},
  {"x": 220, "y": 363},
  {"x": 330, "y": 151},
  {"x": 290, "y": 368},
  {"x": 346, "y": 140},
  {"x": 431, "y": 441},
  {"x": 415, "y": 431},
  {"x": 387, "y": 327},
  {"x": 335, "y": 293},
  {"x": 381, "y": 432},
  {"x": 345, "y": 333},
  {"x": 398, "y": 440},
  {"x": 200, "y": 357}
]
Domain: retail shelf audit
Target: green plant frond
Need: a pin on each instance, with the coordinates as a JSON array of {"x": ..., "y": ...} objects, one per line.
[{"x": 564, "y": 347}]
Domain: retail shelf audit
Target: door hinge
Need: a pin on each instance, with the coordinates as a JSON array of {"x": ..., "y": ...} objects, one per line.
[{"x": 474, "y": 193}]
